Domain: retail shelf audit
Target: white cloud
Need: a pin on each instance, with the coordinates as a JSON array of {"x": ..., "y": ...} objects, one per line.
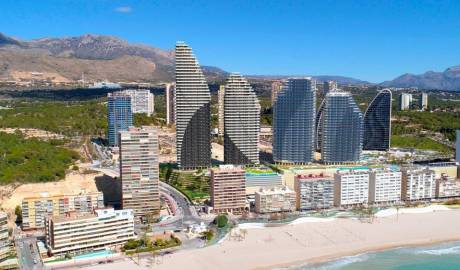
[{"x": 124, "y": 9}]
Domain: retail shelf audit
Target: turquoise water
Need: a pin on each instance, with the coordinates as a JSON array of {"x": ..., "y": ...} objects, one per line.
[
  {"x": 442, "y": 257},
  {"x": 93, "y": 254}
]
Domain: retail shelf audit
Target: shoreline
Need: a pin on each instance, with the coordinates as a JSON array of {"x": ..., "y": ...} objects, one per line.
[{"x": 318, "y": 261}]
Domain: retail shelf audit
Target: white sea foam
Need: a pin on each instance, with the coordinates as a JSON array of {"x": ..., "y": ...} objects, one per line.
[
  {"x": 393, "y": 211},
  {"x": 340, "y": 263},
  {"x": 440, "y": 251}
]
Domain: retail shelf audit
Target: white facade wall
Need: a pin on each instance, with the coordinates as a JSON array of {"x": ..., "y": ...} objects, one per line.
[
  {"x": 385, "y": 186},
  {"x": 351, "y": 188}
]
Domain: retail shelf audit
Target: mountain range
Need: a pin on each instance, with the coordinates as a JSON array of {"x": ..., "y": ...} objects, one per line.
[{"x": 99, "y": 57}]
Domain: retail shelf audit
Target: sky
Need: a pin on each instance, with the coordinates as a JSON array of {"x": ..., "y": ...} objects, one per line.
[{"x": 368, "y": 40}]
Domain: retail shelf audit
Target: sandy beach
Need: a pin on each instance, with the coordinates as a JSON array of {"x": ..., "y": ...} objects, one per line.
[{"x": 310, "y": 242}]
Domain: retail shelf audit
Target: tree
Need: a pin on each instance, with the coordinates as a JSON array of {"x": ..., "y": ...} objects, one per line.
[
  {"x": 221, "y": 221},
  {"x": 18, "y": 213}
]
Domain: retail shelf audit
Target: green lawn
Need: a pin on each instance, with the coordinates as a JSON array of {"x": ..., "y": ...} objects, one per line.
[{"x": 194, "y": 186}]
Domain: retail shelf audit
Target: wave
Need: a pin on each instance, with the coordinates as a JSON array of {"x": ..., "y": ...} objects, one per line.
[
  {"x": 440, "y": 251},
  {"x": 338, "y": 264}
]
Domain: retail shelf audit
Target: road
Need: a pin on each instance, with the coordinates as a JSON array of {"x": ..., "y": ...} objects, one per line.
[{"x": 28, "y": 254}]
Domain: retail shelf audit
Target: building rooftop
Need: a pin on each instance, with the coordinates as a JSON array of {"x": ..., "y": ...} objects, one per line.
[
  {"x": 274, "y": 190},
  {"x": 312, "y": 176}
]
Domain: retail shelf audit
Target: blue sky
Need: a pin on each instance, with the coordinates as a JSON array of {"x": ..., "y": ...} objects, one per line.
[{"x": 369, "y": 40}]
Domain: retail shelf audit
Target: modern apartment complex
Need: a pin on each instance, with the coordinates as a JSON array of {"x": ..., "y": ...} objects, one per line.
[
  {"x": 275, "y": 199},
  {"x": 384, "y": 186},
  {"x": 35, "y": 209},
  {"x": 294, "y": 122},
  {"x": 220, "y": 109},
  {"x": 329, "y": 86},
  {"x": 170, "y": 93},
  {"x": 241, "y": 122},
  {"x": 351, "y": 187},
  {"x": 447, "y": 187},
  {"x": 405, "y": 101},
  {"x": 193, "y": 111},
  {"x": 228, "y": 192},
  {"x": 120, "y": 115},
  {"x": 142, "y": 101},
  {"x": 4, "y": 237},
  {"x": 73, "y": 234},
  {"x": 342, "y": 134},
  {"x": 314, "y": 192},
  {"x": 377, "y": 122},
  {"x": 418, "y": 184},
  {"x": 139, "y": 171}
]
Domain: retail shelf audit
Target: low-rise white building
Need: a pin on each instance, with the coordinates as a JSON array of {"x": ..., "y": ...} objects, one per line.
[
  {"x": 418, "y": 184},
  {"x": 447, "y": 187},
  {"x": 351, "y": 187},
  {"x": 384, "y": 186},
  {"x": 88, "y": 232},
  {"x": 276, "y": 199}
]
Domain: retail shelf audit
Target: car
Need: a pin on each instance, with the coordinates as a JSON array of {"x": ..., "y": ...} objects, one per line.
[{"x": 35, "y": 261}]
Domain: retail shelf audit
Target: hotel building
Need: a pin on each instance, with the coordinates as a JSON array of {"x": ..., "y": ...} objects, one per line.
[
  {"x": 294, "y": 122},
  {"x": 384, "y": 186},
  {"x": 228, "y": 189},
  {"x": 418, "y": 184},
  {"x": 74, "y": 234},
  {"x": 351, "y": 187},
  {"x": 314, "y": 192},
  {"x": 274, "y": 200},
  {"x": 241, "y": 122},
  {"x": 4, "y": 237},
  {"x": 193, "y": 111},
  {"x": 342, "y": 129},
  {"x": 170, "y": 94},
  {"x": 139, "y": 171},
  {"x": 35, "y": 209},
  {"x": 405, "y": 101},
  {"x": 119, "y": 116}
]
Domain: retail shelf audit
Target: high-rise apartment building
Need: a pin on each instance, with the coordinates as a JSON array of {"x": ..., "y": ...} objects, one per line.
[
  {"x": 139, "y": 171},
  {"x": 241, "y": 122},
  {"x": 385, "y": 186},
  {"x": 82, "y": 233},
  {"x": 275, "y": 199},
  {"x": 418, "y": 184},
  {"x": 220, "y": 109},
  {"x": 4, "y": 237},
  {"x": 351, "y": 187},
  {"x": 377, "y": 122},
  {"x": 342, "y": 134},
  {"x": 277, "y": 86},
  {"x": 170, "y": 94},
  {"x": 294, "y": 122},
  {"x": 314, "y": 192},
  {"x": 405, "y": 101},
  {"x": 329, "y": 86},
  {"x": 142, "y": 101},
  {"x": 193, "y": 111},
  {"x": 120, "y": 115},
  {"x": 228, "y": 192},
  {"x": 35, "y": 209},
  {"x": 424, "y": 101}
]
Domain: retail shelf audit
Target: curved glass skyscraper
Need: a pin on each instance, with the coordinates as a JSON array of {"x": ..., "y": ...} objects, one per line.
[
  {"x": 319, "y": 125},
  {"x": 342, "y": 136},
  {"x": 377, "y": 122},
  {"x": 294, "y": 122},
  {"x": 241, "y": 122},
  {"x": 193, "y": 111}
]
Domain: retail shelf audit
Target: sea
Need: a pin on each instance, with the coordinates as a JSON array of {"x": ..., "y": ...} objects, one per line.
[{"x": 440, "y": 257}]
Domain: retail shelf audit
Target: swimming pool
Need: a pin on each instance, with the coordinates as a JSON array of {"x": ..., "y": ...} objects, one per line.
[{"x": 93, "y": 254}]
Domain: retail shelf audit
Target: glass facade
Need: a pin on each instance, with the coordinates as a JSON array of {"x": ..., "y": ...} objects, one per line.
[
  {"x": 377, "y": 122},
  {"x": 294, "y": 122},
  {"x": 120, "y": 116},
  {"x": 342, "y": 135}
]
